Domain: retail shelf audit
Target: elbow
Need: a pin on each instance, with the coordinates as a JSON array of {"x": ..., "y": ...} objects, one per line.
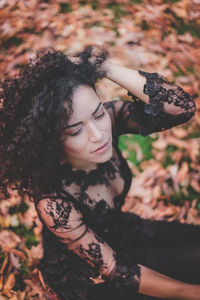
[
  {"x": 188, "y": 110},
  {"x": 183, "y": 103},
  {"x": 190, "y": 106},
  {"x": 191, "y": 110}
]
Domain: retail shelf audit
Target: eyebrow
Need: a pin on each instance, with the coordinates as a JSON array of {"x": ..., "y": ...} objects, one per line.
[{"x": 78, "y": 123}]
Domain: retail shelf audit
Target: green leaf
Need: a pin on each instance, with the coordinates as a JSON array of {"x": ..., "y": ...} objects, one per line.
[
  {"x": 27, "y": 233},
  {"x": 12, "y": 41},
  {"x": 22, "y": 271},
  {"x": 22, "y": 208},
  {"x": 145, "y": 143},
  {"x": 117, "y": 34},
  {"x": 136, "y": 1},
  {"x": 65, "y": 8},
  {"x": 118, "y": 11}
]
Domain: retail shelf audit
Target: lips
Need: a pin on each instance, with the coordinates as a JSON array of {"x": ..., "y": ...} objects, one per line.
[{"x": 101, "y": 147}]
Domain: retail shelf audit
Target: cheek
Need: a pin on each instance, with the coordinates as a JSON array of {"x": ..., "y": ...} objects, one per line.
[
  {"x": 106, "y": 124},
  {"x": 75, "y": 145}
]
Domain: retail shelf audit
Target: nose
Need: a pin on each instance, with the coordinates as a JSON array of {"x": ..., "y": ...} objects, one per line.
[{"x": 94, "y": 134}]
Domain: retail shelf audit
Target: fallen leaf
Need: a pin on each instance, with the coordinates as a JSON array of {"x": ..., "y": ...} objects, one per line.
[
  {"x": 183, "y": 172},
  {"x": 9, "y": 239},
  {"x": 9, "y": 284},
  {"x": 195, "y": 185}
]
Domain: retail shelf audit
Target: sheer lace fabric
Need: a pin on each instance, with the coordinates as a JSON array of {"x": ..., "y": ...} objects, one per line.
[
  {"x": 83, "y": 217},
  {"x": 169, "y": 105}
]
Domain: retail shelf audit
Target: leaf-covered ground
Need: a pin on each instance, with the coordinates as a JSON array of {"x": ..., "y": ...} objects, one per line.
[{"x": 156, "y": 36}]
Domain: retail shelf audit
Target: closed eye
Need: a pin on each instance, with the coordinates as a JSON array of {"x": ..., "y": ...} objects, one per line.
[
  {"x": 100, "y": 115},
  {"x": 75, "y": 132},
  {"x": 97, "y": 117}
]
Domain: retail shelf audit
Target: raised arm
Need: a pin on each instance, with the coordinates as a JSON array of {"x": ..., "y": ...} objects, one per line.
[
  {"x": 66, "y": 222},
  {"x": 145, "y": 86},
  {"x": 158, "y": 103}
]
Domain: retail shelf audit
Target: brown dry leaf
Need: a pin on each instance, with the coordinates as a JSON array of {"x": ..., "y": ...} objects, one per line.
[
  {"x": 140, "y": 208},
  {"x": 197, "y": 117},
  {"x": 36, "y": 252},
  {"x": 195, "y": 167},
  {"x": 5, "y": 221},
  {"x": 195, "y": 185},
  {"x": 15, "y": 252},
  {"x": 15, "y": 261},
  {"x": 15, "y": 199},
  {"x": 176, "y": 142},
  {"x": 14, "y": 297},
  {"x": 41, "y": 279},
  {"x": 192, "y": 215},
  {"x": 9, "y": 284},
  {"x": 179, "y": 132},
  {"x": 183, "y": 211},
  {"x": 173, "y": 171},
  {"x": 167, "y": 211},
  {"x": 181, "y": 8},
  {"x": 161, "y": 143},
  {"x": 154, "y": 13},
  {"x": 183, "y": 172},
  {"x": 20, "y": 295},
  {"x": 4, "y": 206},
  {"x": 193, "y": 149},
  {"x": 9, "y": 239},
  {"x": 28, "y": 217},
  {"x": 159, "y": 155},
  {"x": 144, "y": 189},
  {"x": 177, "y": 156},
  {"x": 2, "y": 270},
  {"x": 187, "y": 38},
  {"x": 34, "y": 288},
  {"x": 97, "y": 280}
]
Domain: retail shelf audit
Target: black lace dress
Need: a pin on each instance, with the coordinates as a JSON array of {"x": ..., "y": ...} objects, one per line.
[{"x": 85, "y": 234}]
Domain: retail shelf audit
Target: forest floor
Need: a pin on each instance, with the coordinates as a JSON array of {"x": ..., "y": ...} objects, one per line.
[{"x": 155, "y": 36}]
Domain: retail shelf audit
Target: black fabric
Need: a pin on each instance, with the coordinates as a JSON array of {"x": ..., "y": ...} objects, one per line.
[
  {"x": 84, "y": 230},
  {"x": 170, "y": 248},
  {"x": 152, "y": 117}
]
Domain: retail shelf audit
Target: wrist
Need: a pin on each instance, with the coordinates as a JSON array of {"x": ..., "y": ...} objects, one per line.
[
  {"x": 108, "y": 67},
  {"x": 191, "y": 291}
]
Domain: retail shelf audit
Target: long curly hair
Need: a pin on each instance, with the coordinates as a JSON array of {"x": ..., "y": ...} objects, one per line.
[{"x": 31, "y": 112}]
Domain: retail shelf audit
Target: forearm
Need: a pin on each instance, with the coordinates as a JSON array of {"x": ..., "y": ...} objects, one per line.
[
  {"x": 158, "y": 90},
  {"x": 151, "y": 283},
  {"x": 155, "y": 284},
  {"x": 128, "y": 78}
]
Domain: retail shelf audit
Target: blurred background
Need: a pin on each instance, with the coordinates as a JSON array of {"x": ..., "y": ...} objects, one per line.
[{"x": 154, "y": 36}]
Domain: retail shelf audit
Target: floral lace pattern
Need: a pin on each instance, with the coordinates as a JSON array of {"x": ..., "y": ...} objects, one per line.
[
  {"x": 84, "y": 231},
  {"x": 160, "y": 90},
  {"x": 154, "y": 117}
]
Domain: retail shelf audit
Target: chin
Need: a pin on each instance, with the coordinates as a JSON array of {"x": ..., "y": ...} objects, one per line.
[{"x": 106, "y": 157}]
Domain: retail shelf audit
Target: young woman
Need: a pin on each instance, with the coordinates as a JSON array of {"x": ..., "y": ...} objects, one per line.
[{"x": 59, "y": 144}]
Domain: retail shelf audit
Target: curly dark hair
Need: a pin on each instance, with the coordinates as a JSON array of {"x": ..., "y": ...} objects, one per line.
[{"x": 31, "y": 112}]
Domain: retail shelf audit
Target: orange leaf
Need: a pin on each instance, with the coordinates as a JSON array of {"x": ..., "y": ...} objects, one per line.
[{"x": 183, "y": 172}]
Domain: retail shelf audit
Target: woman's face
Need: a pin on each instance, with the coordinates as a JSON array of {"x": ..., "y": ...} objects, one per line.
[{"x": 87, "y": 138}]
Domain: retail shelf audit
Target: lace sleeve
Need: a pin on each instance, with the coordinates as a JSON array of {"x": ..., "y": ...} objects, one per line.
[
  {"x": 169, "y": 105},
  {"x": 67, "y": 223},
  {"x": 121, "y": 117}
]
